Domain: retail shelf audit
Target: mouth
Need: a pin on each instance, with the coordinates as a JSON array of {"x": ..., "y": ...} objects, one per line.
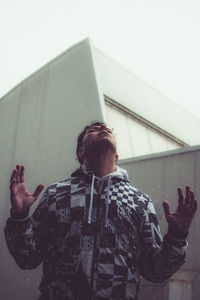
[{"x": 103, "y": 133}]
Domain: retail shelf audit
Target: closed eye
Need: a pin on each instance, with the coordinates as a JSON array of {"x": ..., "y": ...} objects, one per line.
[{"x": 97, "y": 128}]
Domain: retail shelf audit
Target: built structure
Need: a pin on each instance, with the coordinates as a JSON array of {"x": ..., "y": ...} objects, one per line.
[{"x": 40, "y": 120}]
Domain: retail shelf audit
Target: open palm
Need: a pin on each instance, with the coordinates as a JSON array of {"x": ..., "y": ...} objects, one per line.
[
  {"x": 21, "y": 199},
  {"x": 180, "y": 220}
]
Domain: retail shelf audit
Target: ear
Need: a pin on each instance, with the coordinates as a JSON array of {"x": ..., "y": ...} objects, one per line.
[
  {"x": 116, "y": 156},
  {"x": 80, "y": 154}
]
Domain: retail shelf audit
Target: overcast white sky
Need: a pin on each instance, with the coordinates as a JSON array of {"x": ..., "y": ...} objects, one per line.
[{"x": 157, "y": 40}]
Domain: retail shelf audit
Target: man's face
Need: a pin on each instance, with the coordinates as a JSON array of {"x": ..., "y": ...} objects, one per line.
[{"x": 99, "y": 138}]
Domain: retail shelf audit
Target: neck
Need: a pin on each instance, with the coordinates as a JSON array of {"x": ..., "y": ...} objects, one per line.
[{"x": 101, "y": 166}]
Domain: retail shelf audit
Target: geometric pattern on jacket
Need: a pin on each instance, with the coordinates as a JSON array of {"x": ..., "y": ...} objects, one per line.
[{"x": 101, "y": 256}]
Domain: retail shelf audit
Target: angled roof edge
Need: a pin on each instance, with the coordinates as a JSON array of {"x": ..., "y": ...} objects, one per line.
[
  {"x": 121, "y": 85},
  {"x": 86, "y": 40},
  {"x": 134, "y": 93}
]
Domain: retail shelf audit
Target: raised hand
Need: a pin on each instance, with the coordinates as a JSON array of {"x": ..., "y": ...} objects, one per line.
[
  {"x": 21, "y": 199},
  {"x": 180, "y": 220}
]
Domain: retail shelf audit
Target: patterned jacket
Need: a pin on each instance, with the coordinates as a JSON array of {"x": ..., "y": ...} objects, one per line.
[{"x": 95, "y": 237}]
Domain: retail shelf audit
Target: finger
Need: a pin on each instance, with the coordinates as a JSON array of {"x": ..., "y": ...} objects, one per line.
[
  {"x": 38, "y": 190},
  {"x": 17, "y": 173},
  {"x": 21, "y": 174},
  {"x": 194, "y": 206},
  {"x": 12, "y": 183},
  {"x": 192, "y": 199},
  {"x": 180, "y": 196},
  {"x": 13, "y": 176},
  {"x": 187, "y": 198},
  {"x": 166, "y": 208}
]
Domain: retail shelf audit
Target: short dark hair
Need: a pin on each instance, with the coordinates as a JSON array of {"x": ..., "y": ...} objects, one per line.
[{"x": 81, "y": 136}]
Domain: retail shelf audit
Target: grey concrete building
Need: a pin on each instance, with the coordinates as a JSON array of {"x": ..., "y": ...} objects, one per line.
[{"x": 158, "y": 146}]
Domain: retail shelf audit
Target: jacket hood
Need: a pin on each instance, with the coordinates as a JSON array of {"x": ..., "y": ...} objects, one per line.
[{"x": 87, "y": 175}]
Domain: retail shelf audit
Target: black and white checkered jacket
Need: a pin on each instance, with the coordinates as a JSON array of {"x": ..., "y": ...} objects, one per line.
[{"x": 95, "y": 238}]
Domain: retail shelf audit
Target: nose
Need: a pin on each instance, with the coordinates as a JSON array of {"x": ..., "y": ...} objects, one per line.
[{"x": 103, "y": 127}]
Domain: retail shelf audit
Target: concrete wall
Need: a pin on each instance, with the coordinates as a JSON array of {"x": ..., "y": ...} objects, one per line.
[
  {"x": 159, "y": 175},
  {"x": 124, "y": 87},
  {"x": 39, "y": 122},
  {"x": 128, "y": 132}
]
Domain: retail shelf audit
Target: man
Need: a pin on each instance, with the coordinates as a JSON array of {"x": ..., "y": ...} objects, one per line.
[{"x": 94, "y": 233}]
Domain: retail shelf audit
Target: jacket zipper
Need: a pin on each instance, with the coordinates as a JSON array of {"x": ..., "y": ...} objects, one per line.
[{"x": 95, "y": 247}]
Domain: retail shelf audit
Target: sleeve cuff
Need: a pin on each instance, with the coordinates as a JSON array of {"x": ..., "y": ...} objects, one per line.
[{"x": 18, "y": 218}]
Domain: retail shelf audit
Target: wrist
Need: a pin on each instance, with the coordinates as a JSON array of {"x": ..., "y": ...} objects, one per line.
[
  {"x": 18, "y": 215},
  {"x": 177, "y": 233}
]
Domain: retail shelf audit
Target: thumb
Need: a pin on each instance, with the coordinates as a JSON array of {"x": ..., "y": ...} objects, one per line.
[
  {"x": 166, "y": 208},
  {"x": 38, "y": 190}
]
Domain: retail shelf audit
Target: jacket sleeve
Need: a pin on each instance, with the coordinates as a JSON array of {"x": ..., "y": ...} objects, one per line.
[
  {"x": 27, "y": 239},
  {"x": 159, "y": 257}
]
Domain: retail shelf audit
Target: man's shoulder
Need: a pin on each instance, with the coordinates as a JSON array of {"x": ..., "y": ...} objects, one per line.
[
  {"x": 58, "y": 186},
  {"x": 139, "y": 196},
  {"x": 65, "y": 184}
]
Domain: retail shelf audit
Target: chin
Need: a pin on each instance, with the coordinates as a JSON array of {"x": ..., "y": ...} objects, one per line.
[{"x": 102, "y": 146}]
